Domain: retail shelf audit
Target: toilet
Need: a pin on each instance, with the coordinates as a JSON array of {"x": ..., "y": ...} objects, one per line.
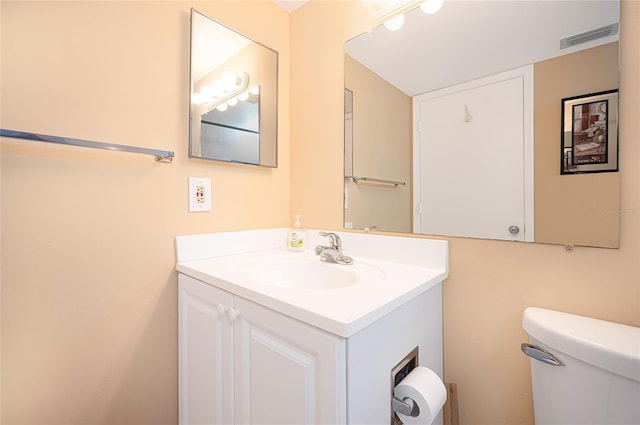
[{"x": 583, "y": 370}]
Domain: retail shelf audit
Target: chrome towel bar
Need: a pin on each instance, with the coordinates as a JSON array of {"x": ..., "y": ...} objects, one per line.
[
  {"x": 160, "y": 155},
  {"x": 375, "y": 180}
]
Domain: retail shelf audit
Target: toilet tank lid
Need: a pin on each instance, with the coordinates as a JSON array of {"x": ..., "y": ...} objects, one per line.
[{"x": 610, "y": 346}]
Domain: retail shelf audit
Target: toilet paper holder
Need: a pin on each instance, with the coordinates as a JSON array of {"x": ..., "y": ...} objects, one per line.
[{"x": 406, "y": 406}]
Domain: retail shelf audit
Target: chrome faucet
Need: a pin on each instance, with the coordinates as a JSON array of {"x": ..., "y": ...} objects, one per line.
[{"x": 332, "y": 253}]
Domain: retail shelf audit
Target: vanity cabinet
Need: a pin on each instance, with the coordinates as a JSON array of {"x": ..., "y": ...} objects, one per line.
[
  {"x": 256, "y": 351},
  {"x": 243, "y": 363}
]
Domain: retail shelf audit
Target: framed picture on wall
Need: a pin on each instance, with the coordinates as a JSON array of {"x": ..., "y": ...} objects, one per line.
[{"x": 590, "y": 133}]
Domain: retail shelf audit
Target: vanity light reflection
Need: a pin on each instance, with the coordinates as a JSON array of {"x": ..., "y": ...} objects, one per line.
[{"x": 225, "y": 91}]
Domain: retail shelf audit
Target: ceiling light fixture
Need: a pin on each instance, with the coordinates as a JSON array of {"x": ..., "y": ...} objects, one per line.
[
  {"x": 390, "y": 12},
  {"x": 431, "y": 6}
]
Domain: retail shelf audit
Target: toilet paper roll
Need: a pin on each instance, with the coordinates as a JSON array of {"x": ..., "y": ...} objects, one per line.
[{"x": 425, "y": 388}]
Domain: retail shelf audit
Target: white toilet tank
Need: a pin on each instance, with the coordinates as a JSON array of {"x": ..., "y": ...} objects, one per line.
[{"x": 599, "y": 379}]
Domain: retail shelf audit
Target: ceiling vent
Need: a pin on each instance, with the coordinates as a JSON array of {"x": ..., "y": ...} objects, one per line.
[{"x": 589, "y": 36}]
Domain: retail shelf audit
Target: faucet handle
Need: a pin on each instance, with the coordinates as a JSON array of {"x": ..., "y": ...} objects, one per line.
[{"x": 334, "y": 238}]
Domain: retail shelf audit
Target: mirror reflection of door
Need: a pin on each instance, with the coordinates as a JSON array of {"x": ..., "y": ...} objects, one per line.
[{"x": 470, "y": 174}]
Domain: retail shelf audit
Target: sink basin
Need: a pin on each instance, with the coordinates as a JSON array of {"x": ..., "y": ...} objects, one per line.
[{"x": 298, "y": 270}]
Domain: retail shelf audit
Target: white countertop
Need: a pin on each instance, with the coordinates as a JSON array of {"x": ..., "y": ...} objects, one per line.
[{"x": 342, "y": 311}]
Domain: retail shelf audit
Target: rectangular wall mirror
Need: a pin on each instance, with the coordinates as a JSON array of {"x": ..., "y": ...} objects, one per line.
[
  {"x": 233, "y": 96},
  {"x": 464, "y": 105}
]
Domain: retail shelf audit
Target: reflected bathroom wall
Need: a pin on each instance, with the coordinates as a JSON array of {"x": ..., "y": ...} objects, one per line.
[
  {"x": 579, "y": 209},
  {"x": 381, "y": 127}
]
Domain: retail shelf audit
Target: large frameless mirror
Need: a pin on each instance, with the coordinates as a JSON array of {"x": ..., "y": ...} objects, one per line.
[
  {"x": 454, "y": 123},
  {"x": 233, "y": 96}
]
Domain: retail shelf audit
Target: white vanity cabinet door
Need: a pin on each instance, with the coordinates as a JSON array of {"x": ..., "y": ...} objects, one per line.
[
  {"x": 286, "y": 372},
  {"x": 205, "y": 353},
  {"x": 241, "y": 363}
]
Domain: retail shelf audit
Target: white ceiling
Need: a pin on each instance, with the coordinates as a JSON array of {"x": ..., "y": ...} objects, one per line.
[
  {"x": 468, "y": 39},
  {"x": 290, "y": 5}
]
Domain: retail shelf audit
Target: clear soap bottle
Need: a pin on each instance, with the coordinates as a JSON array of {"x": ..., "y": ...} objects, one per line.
[{"x": 297, "y": 236}]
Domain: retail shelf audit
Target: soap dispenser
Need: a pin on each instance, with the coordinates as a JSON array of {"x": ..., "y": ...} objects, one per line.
[{"x": 296, "y": 237}]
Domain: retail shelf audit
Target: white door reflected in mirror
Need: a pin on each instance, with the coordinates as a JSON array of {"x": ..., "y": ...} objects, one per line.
[{"x": 463, "y": 159}]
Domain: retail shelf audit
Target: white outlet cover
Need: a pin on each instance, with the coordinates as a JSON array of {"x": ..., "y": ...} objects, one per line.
[{"x": 199, "y": 194}]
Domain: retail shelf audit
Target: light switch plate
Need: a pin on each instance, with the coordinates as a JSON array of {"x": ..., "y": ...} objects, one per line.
[{"x": 199, "y": 194}]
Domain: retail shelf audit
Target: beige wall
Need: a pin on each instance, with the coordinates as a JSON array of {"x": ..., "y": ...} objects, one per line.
[
  {"x": 572, "y": 209},
  {"x": 89, "y": 292},
  {"x": 490, "y": 282},
  {"x": 381, "y": 149}
]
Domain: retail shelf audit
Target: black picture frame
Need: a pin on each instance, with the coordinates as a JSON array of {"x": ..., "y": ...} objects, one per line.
[{"x": 589, "y": 139}]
